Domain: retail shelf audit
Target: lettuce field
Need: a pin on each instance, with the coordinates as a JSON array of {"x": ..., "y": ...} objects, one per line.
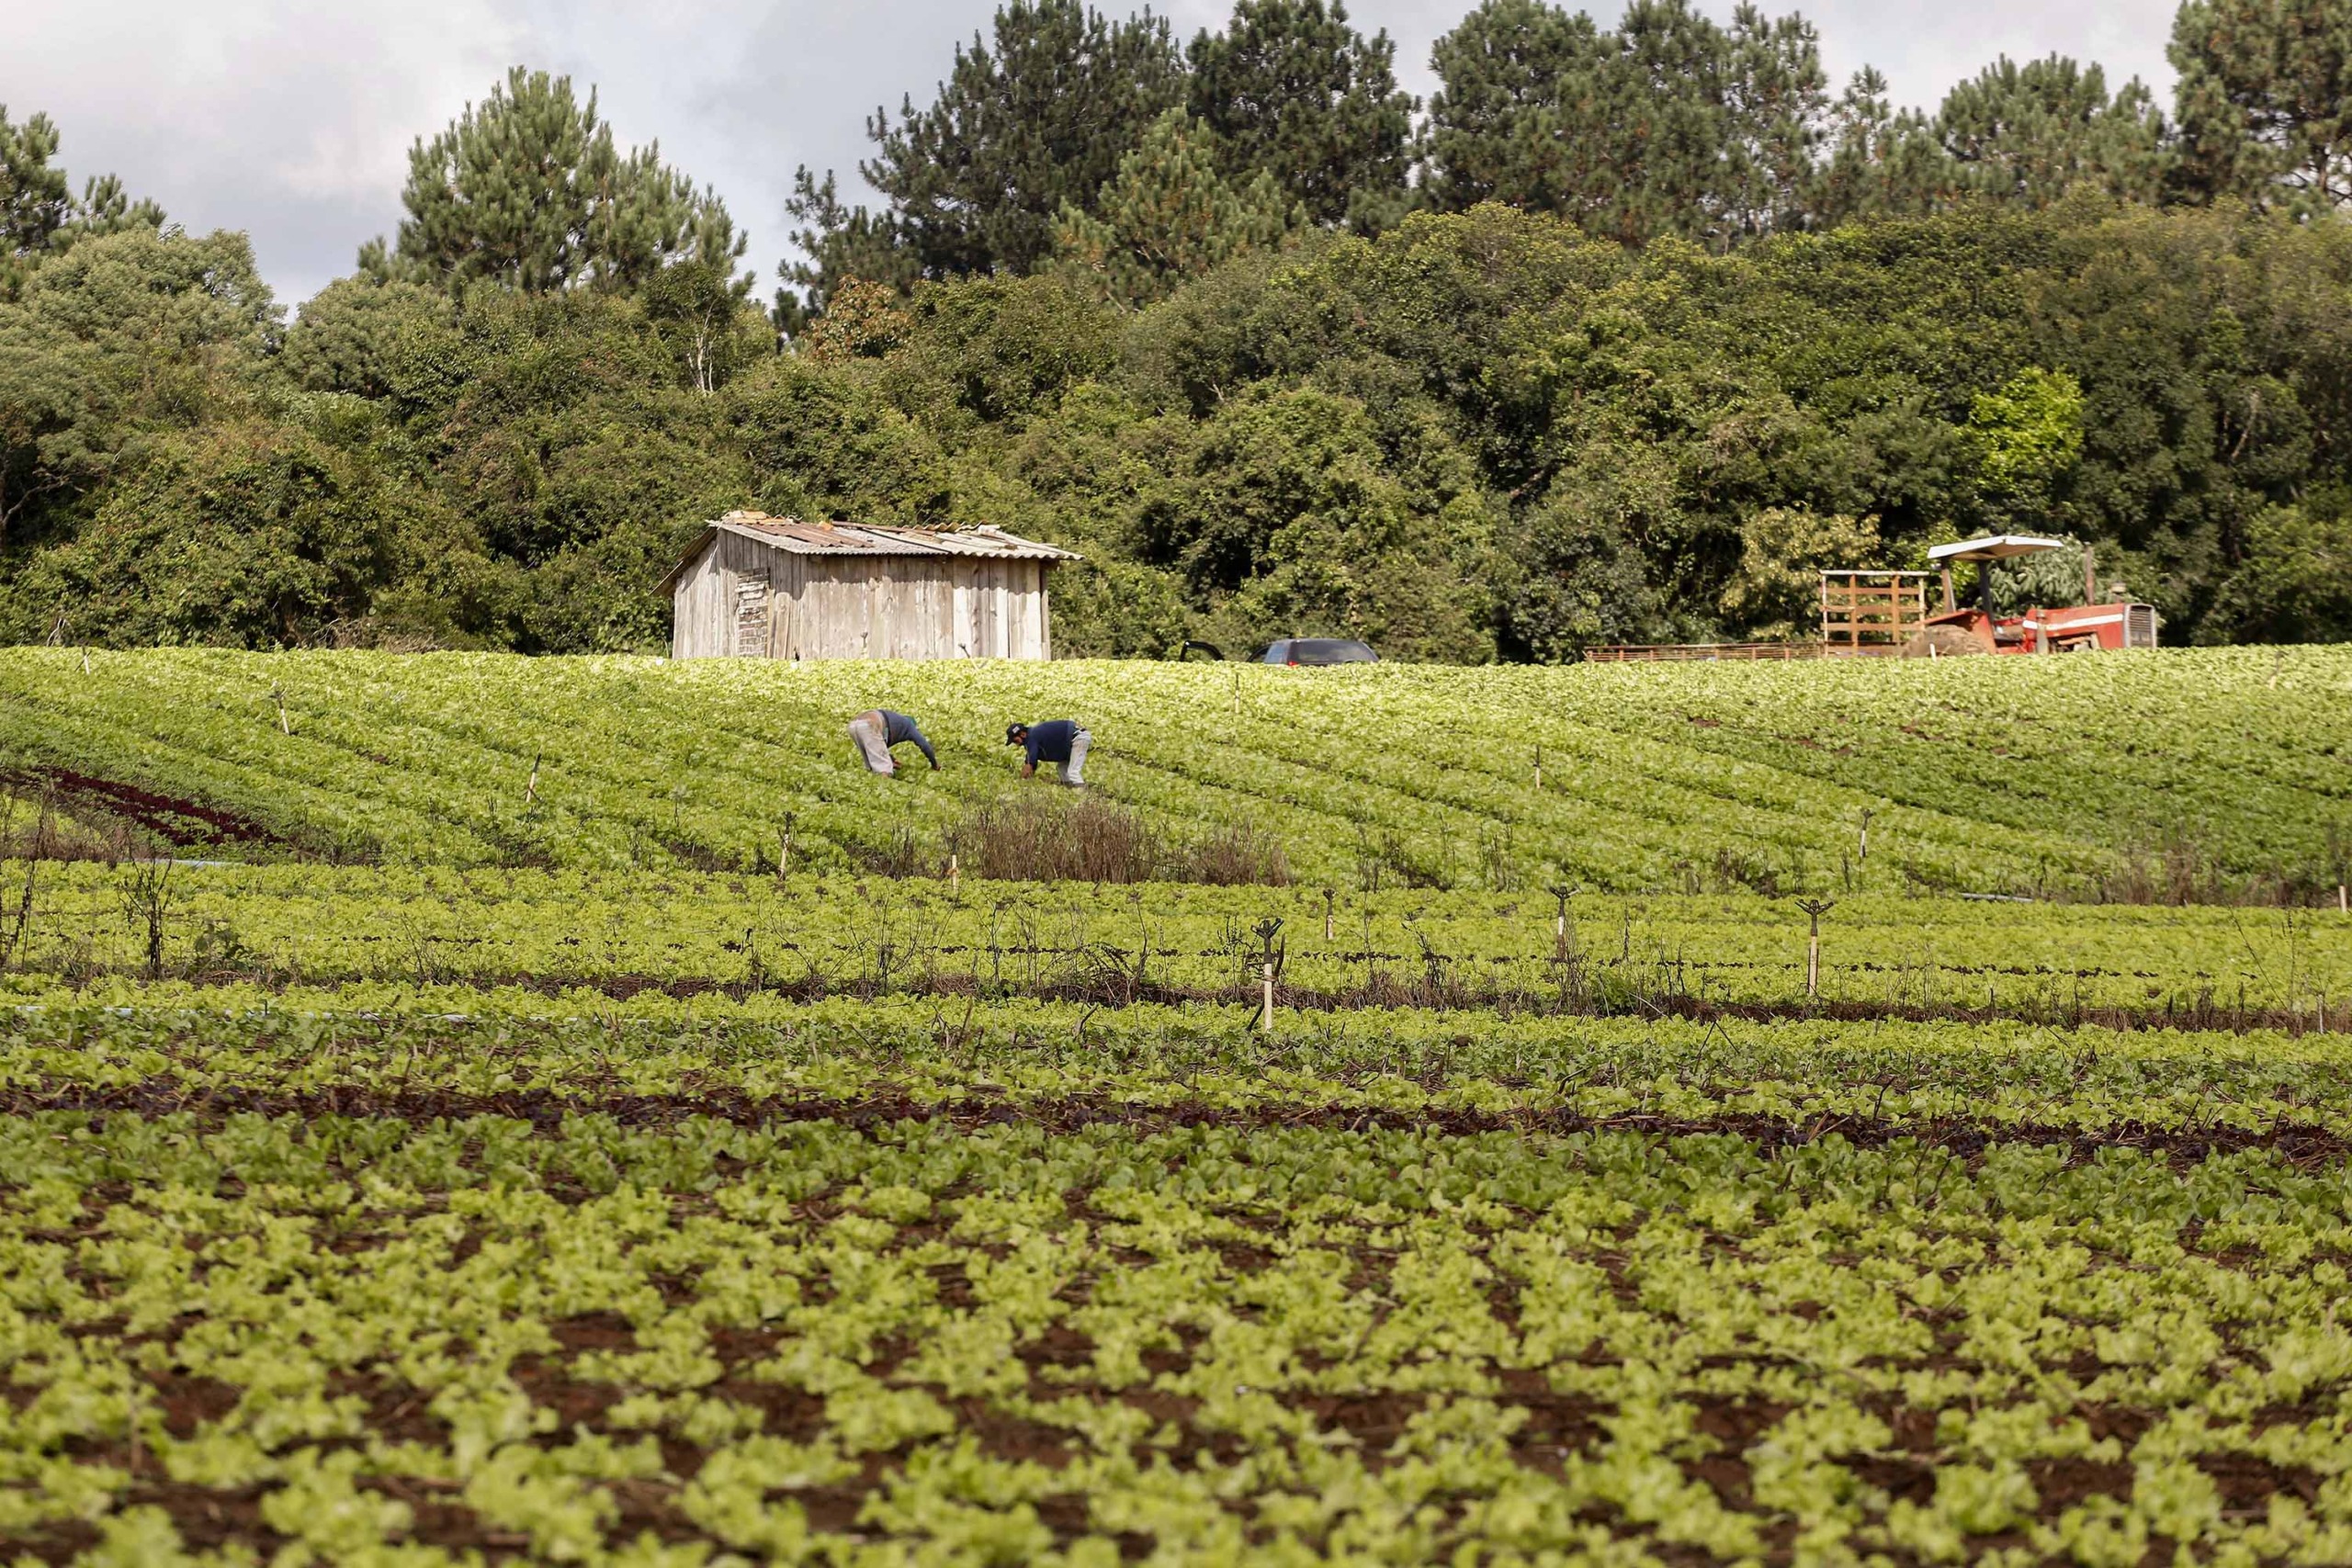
[
  {"x": 2015, "y": 776},
  {"x": 1838, "y": 1115}
]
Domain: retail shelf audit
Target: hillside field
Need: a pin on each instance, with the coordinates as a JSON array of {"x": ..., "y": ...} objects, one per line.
[
  {"x": 2012, "y": 776},
  {"x": 435, "y": 1129}
]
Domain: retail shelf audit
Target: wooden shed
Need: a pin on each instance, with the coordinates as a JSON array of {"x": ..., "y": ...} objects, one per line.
[{"x": 761, "y": 587}]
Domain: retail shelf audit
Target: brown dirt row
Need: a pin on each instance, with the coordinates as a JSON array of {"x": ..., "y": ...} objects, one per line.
[
  {"x": 2204, "y": 1017},
  {"x": 175, "y": 818}
]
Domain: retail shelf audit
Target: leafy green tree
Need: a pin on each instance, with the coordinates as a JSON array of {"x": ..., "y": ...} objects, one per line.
[
  {"x": 529, "y": 190},
  {"x": 2032, "y": 132},
  {"x": 1775, "y": 593},
  {"x": 248, "y": 532},
  {"x": 1000, "y": 352},
  {"x": 976, "y": 181},
  {"x": 352, "y": 334},
  {"x": 1167, "y": 216},
  {"x": 862, "y": 320},
  {"x": 699, "y": 311},
  {"x": 1291, "y": 90},
  {"x": 121, "y": 337},
  {"x": 1117, "y": 609},
  {"x": 841, "y": 245},
  {"x": 1571, "y": 578},
  {"x": 826, "y": 441},
  {"x": 2030, "y": 436},
  {"x": 39, "y": 213},
  {"x": 2295, "y": 581},
  {"x": 2265, "y": 101},
  {"x": 1283, "y": 519}
]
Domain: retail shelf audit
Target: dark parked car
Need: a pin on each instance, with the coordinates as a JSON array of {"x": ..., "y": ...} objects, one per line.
[{"x": 1319, "y": 650}]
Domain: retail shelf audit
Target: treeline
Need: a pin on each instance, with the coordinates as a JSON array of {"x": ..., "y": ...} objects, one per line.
[
  {"x": 1622, "y": 336},
  {"x": 1046, "y": 139}
]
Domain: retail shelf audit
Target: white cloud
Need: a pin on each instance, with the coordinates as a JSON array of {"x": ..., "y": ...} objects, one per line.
[{"x": 293, "y": 121}]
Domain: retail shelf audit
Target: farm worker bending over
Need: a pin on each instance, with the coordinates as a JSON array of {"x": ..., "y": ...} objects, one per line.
[
  {"x": 1056, "y": 740},
  {"x": 878, "y": 729}
]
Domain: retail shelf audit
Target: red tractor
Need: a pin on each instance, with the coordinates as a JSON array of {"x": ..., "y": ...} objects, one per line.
[{"x": 2116, "y": 623}]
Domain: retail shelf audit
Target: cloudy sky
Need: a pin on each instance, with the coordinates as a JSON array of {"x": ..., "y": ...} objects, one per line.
[{"x": 291, "y": 120}]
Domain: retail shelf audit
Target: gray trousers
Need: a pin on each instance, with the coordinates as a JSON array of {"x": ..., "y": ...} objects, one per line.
[
  {"x": 1073, "y": 773},
  {"x": 867, "y": 735}
]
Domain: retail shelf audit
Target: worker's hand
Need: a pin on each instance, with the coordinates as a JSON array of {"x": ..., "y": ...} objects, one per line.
[{"x": 1028, "y": 770}]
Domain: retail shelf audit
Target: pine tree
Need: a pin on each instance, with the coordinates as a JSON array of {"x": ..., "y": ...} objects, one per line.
[
  {"x": 38, "y": 214},
  {"x": 529, "y": 190},
  {"x": 1773, "y": 110},
  {"x": 1882, "y": 163},
  {"x": 2265, "y": 101},
  {"x": 1504, "y": 126},
  {"x": 2030, "y": 133},
  {"x": 1290, "y": 89},
  {"x": 35, "y": 197},
  {"x": 975, "y": 182},
  {"x": 1671, "y": 125},
  {"x": 1168, "y": 215}
]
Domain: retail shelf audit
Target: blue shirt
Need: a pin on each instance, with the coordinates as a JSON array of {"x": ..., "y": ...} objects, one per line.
[
  {"x": 1049, "y": 742},
  {"x": 898, "y": 730}
]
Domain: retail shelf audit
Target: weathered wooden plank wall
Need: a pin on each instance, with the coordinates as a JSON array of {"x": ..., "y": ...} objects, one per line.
[{"x": 746, "y": 599}]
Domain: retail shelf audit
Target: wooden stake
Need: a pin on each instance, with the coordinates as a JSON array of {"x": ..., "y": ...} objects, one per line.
[
  {"x": 85, "y": 661},
  {"x": 954, "y": 872},
  {"x": 1267, "y": 1020},
  {"x": 531, "y": 786},
  {"x": 784, "y": 849},
  {"x": 2342, "y": 906},
  {"x": 1326, "y": 914},
  {"x": 1539, "y": 768},
  {"x": 283, "y": 727},
  {"x": 1862, "y": 852}
]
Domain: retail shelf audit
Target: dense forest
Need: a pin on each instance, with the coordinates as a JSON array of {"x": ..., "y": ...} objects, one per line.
[{"x": 1621, "y": 335}]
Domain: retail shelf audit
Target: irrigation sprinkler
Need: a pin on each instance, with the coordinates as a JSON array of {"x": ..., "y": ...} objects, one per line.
[
  {"x": 531, "y": 785},
  {"x": 1560, "y": 919},
  {"x": 1815, "y": 907},
  {"x": 1862, "y": 845},
  {"x": 784, "y": 849},
  {"x": 1272, "y": 958},
  {"x": 1326, "y": 914},
  {"x": 277, "y": 695}
]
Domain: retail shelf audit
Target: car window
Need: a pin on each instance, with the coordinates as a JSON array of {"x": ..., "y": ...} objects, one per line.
[{"x": 1330, "y": 650}]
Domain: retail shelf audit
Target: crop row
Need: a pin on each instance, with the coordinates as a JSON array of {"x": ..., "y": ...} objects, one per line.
[
  {"x": 177, "y": 1045},
  {"x": 816, "y": 934},
  {"x": 365, "y": 1338},
  {"x": 1975, "y": 775}
]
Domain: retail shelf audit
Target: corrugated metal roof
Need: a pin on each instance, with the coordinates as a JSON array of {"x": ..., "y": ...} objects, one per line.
[
  {"x": 864, "y": 539},
  {"x": 874, "y": 539}
]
